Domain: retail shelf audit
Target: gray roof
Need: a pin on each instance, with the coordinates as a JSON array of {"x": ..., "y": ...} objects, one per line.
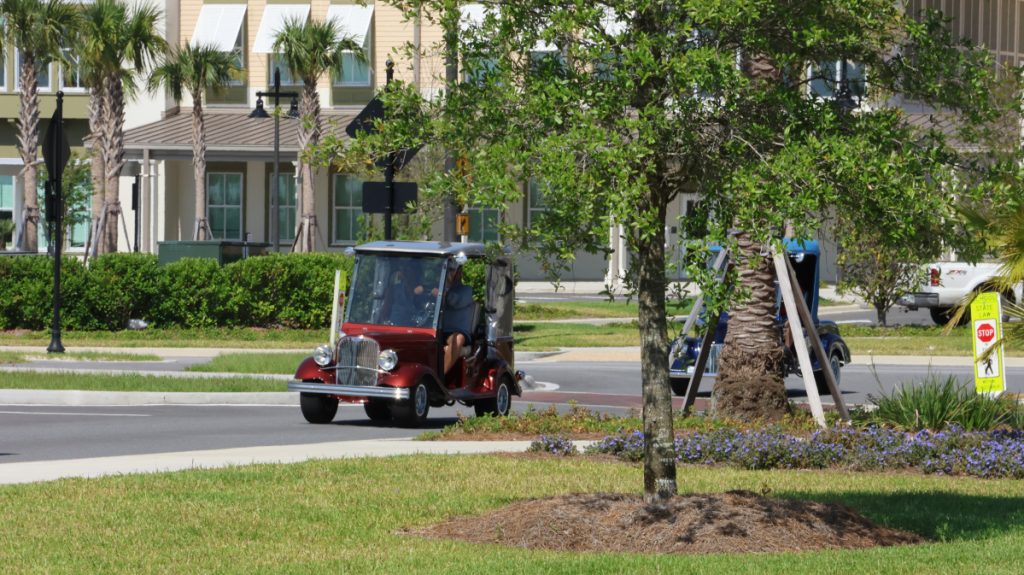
[
  {"x": 431, "y": 248},
  {"x": 231, "y": 135}
]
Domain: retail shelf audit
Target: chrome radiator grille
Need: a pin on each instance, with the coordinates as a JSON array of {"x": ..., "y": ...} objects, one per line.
[{"x": 357, "y": 361}]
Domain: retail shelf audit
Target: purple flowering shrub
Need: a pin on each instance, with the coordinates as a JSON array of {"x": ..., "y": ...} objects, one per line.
[
  {"x": 996, "y": 454},
  {"x": 554, "y": 444}
]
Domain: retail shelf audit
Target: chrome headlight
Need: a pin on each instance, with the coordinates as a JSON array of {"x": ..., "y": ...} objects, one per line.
[
  {"x": 387, "y": 360},
  {"x": 323, "y": 355}
]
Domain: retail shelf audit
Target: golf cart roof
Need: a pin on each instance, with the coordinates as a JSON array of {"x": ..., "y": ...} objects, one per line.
[{"x": 424, "y": 248}]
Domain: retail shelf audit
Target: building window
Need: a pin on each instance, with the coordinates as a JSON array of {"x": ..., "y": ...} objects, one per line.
[
  {"x": 71, "y": 73},
  {"x": 355, "y": 69},
  {"x": 826, "y": 75},
  {"x": 348, "y": 209},
  {"x": 483, "y": 224},
  {"x": 536, "y": 203},
  {"x": 238, "y": 77},
  {"x": 549, "y": 60},
  {"x": 7, "y": 203},
  {"x": 3, "y": 71},
  {"x": 287, "y": 204},
  {"x": 352, "y": 82},
  {"x": 224, "y": 205},
  {"x": 475, "y": 71},
  {"x": 42, "y": 74},
  {"x": 287, "y": 79}
]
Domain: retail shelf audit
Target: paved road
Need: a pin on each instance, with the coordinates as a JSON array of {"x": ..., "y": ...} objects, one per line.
[{"x": 44, "y": 433}]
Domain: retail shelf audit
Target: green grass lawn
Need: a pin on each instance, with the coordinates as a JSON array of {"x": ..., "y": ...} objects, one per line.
[
  {"x": 253, "y": 363},
  {"x": 89, "y": 382},
  {"x": 589, "y": 309},
  {"x": 174, "y": 337},
  {"x": 346, "y": 516}
]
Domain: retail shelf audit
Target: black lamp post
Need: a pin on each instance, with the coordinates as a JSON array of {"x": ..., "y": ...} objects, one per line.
[{"x": 260, "y": 112}]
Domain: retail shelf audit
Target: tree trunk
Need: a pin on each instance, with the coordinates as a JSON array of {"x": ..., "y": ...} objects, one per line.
[
  {"x": 97, "y": 168},
  {"x": 659, "y": 439},
  {"x": 199, "y": 166},
  {"x": 749, "y": 384},
  {"x": 309, "y": 135},
  {"x": 28, "y": 146},
  {"x": 882, "y": 311},
  {"x": 113, "y": 146}
]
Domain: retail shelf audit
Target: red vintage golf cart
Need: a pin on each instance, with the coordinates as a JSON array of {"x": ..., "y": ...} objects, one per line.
[{"x": 406, "y": 303}]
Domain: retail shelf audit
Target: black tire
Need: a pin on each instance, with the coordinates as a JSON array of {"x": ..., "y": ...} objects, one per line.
[
  {"x": 412, "y": 412},
  {"x": 679, "y": 385},
  {"x": 835, "y": 362},
  {"x": 942, "y": 315},
  {"x": 377, "y": 410},
  {"x": 318, "y": 408},
  {"x": 497, "y": 406}
]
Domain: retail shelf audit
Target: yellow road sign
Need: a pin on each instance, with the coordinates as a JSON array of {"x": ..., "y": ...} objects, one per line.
[
  {"x": 987, "y": 333},
  {"x": 462, "y": 224}
]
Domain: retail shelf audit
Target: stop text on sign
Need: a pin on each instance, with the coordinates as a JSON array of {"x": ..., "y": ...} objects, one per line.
[{"x": 986, "y": 332}]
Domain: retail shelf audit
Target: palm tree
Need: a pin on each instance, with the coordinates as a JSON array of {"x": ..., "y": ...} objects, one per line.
[
  {"x": 195, "y": 69},
  {"x": 310, "y": 49},
  {"x": 38, "y": 29},
  {"x": 118, "y": 44}
]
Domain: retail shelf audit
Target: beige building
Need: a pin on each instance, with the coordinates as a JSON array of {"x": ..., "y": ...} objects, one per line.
[{"x": 241, "y": 149}]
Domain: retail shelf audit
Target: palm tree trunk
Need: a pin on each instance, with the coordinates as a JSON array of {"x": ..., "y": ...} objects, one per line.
[
  {"x": 309, "y": 135},
  {"x": 749, "y": 384},
  {"x": 113, "y": 145},
  {"x": 28, "y": 146},
  {"x": 96, "y": 167},
  {"x": 199, "y": 166}
]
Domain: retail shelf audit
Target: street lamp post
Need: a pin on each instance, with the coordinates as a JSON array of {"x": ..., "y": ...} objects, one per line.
[{"x": 260, "y": 112}]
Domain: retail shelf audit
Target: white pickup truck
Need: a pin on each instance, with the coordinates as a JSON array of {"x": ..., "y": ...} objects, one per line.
[{"x": 946, "y": 285}]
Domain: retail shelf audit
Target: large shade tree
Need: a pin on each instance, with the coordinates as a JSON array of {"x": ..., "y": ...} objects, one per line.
[
  {"x": 119, "y": 43},
  {"x": 196, "y": 70},
  {"x": 38, "y": 29},
  {"x": 620, "y": 106},
  {"x": 311, "y": 49}
]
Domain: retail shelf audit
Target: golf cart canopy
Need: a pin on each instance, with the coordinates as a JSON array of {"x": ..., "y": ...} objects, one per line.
[{"x": 423, "y": 248}]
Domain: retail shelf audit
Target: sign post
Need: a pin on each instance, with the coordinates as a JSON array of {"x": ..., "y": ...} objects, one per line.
[{"x": 987, "y": 335}]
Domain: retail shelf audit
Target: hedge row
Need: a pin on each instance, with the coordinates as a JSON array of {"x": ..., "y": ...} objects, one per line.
[{"x": 292, "y": 290}]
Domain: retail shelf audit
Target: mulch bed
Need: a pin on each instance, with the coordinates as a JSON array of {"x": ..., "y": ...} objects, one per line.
[{"x": 730, "y": 522}]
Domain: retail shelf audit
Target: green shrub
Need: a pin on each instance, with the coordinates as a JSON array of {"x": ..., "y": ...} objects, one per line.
[
  {"x": 292, "y": 290},
  {"x": 937, "y": 403}
]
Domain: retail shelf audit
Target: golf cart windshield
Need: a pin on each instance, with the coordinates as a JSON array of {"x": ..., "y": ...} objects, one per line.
[{"x": 396, "y": 290}]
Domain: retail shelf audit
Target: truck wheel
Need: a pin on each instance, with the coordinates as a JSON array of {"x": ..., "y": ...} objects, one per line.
[
  {"x": 412, "y": 412},
  {"x": 318, "y": 408},
  {"x": 679, "y": 385},
  {"x": 834, "y": 362},
  {"x": 941, "y": 316},
  {"x": 499, "y": 405},
  {"x": 377, "y": 410}
]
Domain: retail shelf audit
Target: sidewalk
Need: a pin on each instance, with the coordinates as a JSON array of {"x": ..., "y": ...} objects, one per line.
[{"x": 31, "y": 471}]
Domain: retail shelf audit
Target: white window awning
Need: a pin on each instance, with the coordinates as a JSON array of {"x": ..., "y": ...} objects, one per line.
[
  {"x": 354, "y": 20},
  {"x": 274, "y": 17},
  {"x": 218, "y": 24}
]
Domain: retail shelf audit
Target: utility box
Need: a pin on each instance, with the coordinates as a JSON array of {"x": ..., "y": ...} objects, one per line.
[{"x": 223, "y": 251}]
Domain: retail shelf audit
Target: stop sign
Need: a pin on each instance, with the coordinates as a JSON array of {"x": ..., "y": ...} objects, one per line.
[{"x": 986, "y": 332}]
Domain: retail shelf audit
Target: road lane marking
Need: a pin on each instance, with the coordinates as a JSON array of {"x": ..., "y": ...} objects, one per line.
[{"x": 74, "y": 413}]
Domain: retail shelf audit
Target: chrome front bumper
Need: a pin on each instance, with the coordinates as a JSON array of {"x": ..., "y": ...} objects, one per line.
[{"x": 349, "y": 390}]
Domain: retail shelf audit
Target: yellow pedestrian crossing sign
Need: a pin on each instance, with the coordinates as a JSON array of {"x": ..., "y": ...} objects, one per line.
[{"x": 987, "y": 334}]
